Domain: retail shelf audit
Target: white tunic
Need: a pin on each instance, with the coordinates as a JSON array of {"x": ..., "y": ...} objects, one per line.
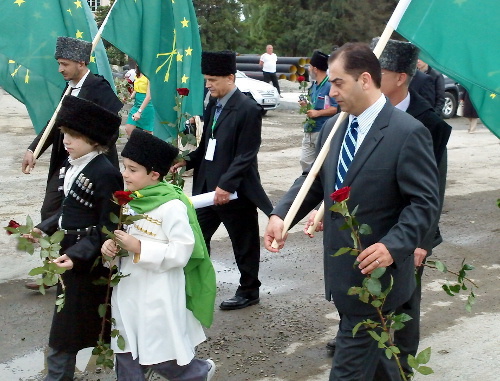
[{"x": 149, "y": 306}]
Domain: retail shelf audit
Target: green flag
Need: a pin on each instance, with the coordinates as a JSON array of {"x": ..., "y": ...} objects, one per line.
[
  {"x": 28, "y": 34},
  {"x": 163, "y": 38},
  {"x": 460, "y": 38}
]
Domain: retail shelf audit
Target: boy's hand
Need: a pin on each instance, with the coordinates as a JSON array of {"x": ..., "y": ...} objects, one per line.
[
  {"x": 127, "y": 242},
  {"x": 30, "y": 238},
  {"x": 64, "y": 262},
  {"x": 176, "y": 166},
  {"x": 109, "y": 248}
]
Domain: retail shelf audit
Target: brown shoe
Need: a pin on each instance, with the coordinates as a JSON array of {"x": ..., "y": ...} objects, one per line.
[{"x": 34, "y": 286}]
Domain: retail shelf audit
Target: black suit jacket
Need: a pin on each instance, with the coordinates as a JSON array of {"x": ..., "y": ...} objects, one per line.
[
  {"x": 238, "y": 136},
  {"x": 393, "y": 180},
  {"x": 423, "y": 84},
  {"x": 96, "y": 89}
]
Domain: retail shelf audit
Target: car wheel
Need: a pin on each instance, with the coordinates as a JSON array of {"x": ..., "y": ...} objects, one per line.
[{"x": 450, "y": 105}]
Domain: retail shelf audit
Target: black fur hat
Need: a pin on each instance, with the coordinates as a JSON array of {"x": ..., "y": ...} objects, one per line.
[
  {"x": 150, "y": 151},
  {"x": 218, "y": 63},
  {"x": 88, "y": 119},
  {"x": 73, "y": 49},
  {"x": 319, "y": 60},
  {"x": 398, "y": 56}
]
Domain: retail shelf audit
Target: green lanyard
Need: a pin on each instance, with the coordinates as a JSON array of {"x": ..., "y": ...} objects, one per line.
[
  {"x": 215, "y": 119},
  {"x": 318, "y": 88}
]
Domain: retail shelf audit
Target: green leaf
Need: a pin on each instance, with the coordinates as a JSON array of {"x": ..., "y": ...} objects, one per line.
[
  {"x": 57, "y": 237},
  {"x": 364, "y": 296},
  {"x": 374, "y": 335},
  {"x": 113, "y": 218},
  {"x": 397, "y": 325},
  {"x": 374, "y": 287},
  {"x": 412, "y": 362},
  {"x": 44, "y": 243},
  {"x": 341, "y": 251},
  {"x": 37, "y": 271},
  {"x": 29, "y": 223},
  {"x": 114, "y": 333},
  {"x": 134, "y": 218},
  {"x": 384, "y": 337},
  {"x": 108, "y": 233},
  {"x": 365, "y": 229},
  {"x": 446, "y": 289},
  {"x": 425, "y": 370},
  {"x": 440, "y": 266},
  {"x": 455, "y": 288},
  {"x": 424, "y": 356},
  {"x": 120, "y": 342},
  {"x": 354, "y": 252},
  {"x": 468, "y": 267},
  {"x": 376, "y": 303},
  {"x": 394, "y": 349},
  {"x": 356, "y": 328},
  {"x": 108, "y": 363},
  {"x": 102, "y": 310},
  {"x": 354, "y": 290},
  {"x": 388, "y": 353},
  {"x": 378, "y": 272}
]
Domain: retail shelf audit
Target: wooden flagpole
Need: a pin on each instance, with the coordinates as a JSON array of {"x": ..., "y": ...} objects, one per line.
[
  {"x": 50, "y": 125},
  {"x": 292, "y": 212}
]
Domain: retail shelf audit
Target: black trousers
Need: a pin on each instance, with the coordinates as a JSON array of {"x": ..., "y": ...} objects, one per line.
[
  {"x": 242, "y": 224},
  {"x": 272, "y": 77},
  {"x": 358, "y": 358}
]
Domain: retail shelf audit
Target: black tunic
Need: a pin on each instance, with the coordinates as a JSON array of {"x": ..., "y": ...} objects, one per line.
[{"x": 78, "y": 324}]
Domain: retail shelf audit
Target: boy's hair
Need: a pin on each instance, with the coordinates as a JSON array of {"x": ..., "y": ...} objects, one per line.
[{"x": 85, "y": 138}]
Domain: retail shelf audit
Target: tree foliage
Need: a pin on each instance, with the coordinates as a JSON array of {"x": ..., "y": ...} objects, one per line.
[{"x": 293, "y": 27}]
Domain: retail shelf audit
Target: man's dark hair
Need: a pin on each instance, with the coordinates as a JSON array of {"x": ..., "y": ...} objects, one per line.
[{"x": 358, "y": 58}]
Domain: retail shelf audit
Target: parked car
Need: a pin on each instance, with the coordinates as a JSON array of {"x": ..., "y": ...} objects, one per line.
[
  {"x": 262, "y": 92},
  {"x": 452, "y": 93}
]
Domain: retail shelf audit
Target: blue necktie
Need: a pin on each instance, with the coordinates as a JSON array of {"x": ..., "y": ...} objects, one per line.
[
  {"x": 218, "y": 110},
  {"x": 347, "y": 152}
]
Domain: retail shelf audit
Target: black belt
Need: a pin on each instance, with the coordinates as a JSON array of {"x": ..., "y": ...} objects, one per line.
[{"x": 81, "y": 232}]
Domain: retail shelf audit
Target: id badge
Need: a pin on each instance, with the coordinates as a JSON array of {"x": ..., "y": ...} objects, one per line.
[{"x": 210, "y": 149}]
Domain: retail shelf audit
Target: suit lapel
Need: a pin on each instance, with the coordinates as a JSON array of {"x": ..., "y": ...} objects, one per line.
[{"x": 231, "y": 104}]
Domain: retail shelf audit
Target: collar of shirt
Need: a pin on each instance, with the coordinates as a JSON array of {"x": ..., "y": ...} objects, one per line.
[
  {"x": 76, "y": 87},
  {"x": 226, "y": 97},
  {"x": 404, "y": 104},
  {"x": 76, "y": 166},
  {"x": 366, "y": 119}
]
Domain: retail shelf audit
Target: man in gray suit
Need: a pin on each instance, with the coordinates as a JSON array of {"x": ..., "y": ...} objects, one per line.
[{"x": 393, "y": 180}]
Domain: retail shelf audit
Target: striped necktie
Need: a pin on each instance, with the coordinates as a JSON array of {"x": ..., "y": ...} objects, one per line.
[
  {"x": 347, "y": 152},
  {"x": 218, "y": 110}
]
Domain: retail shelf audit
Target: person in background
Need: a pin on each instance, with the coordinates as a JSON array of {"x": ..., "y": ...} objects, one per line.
[
  {"x": 470, "y": 113},
  {"x": 142, "y": 113},
  {"x": 268, "y": 62},
  {"x": 438, "y": 79},
  {"x": 323, "y": 107}
]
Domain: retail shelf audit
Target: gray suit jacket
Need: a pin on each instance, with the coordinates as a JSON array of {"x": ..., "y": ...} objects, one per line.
[{"x": 393, "y": 180}]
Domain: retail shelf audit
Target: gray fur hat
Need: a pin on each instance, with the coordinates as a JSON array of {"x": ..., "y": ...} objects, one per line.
[
  {"x": 73, "y": 49},
  {"x": 218, "y": 63},
  {"x": 398, "y": 56},
  {"x": 150, "y": 151},
  {"x": 319, "y": 60},
  {"x": 88, "y": 119}
]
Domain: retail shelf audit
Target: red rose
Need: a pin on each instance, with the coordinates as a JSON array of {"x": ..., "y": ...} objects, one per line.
[
  {"x": 12, "y": 224},
  {"x": 301, "y": 78},
  {"x": 183, "y": 91},
  {"x": 341, "y": 194},
  {"x": 122, "y": 197}
]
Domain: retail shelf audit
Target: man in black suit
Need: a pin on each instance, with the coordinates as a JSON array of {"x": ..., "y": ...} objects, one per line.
[
  {"x": 399, "y": 63},
  {"x": 423, "y": 85},
  {"x": 438, "y": 81},
  {"x": 226, "y": 162},
  {"x": 73, "y": 56},
  {"x": 393, "y": 180}
]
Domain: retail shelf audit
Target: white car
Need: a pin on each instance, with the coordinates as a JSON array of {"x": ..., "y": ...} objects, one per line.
[{"x": 264, "y": 93}]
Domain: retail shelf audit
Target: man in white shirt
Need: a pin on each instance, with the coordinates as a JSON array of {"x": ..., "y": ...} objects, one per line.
[{"x": 268, "y": 62}]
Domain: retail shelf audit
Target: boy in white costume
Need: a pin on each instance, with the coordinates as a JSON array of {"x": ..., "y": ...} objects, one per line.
[{"x": 160, "y": 307}]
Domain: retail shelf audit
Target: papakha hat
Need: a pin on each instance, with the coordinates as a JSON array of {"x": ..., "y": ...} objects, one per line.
[
  {"x": 88, "y": 119},
  {"x": 398, "y": 56},
  {"x": 73, "y": 49},
  {"x": 319, "y": 60},
  {"x": 218, "y": 63},
  {"x": 151, "y": 152}
]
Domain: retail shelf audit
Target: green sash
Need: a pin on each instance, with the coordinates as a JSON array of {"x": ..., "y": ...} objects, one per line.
[{"x": 199, "y": 272}]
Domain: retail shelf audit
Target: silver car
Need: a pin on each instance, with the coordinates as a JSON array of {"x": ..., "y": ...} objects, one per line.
[{"x": 264, "y": 93}]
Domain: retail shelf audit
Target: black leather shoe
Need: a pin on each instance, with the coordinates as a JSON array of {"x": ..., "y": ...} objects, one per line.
[
  {"x": 330, "y": 346},
  {"x": 238, "y": 302}
]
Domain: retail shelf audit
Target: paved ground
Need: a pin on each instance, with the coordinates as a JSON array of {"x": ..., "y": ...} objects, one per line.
[{"x": 283, "y": 338}]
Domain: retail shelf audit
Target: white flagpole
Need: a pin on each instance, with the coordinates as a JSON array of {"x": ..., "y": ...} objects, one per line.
[
  {"x": 292, "y": 212},
  {"x": 50, "y": 125}
]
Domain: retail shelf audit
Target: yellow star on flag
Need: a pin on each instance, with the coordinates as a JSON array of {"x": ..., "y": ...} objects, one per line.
[
  {"x": 79, "y": 34},
  {"x": 189, "y": 51},
  {"x": 493, "y": 95},
  {"x": 185, "y": 23},
  {"x": 184, "y": 78},
  {"x": 78, "y": 3},
  {"x": 69, "y": 11},
  {"x": 19, "y": 2},
  {"x": 92, "y": 58},
  {"x": 179, "y": 57}
]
